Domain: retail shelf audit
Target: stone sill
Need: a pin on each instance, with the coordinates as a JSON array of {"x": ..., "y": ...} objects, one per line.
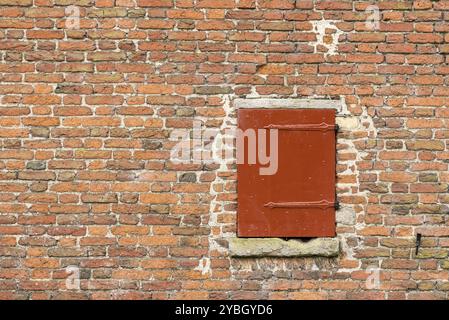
[{"x": 274, "y": 247}]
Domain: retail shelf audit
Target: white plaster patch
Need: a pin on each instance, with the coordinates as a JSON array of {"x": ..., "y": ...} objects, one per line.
[
  {"x": 216, "y": 206},
  {"x": 315, "y": 267},
  {"x": 320, "y": 28},
  {"x": 345, "y": 215},
  {"x": 347, "y": 123},
  {"x": 364, "y": 123}
]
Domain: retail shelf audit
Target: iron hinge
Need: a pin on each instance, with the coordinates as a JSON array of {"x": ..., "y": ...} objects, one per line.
[
  {"x": 303, "y": 127},
  {"x": 323, "y": 204}
]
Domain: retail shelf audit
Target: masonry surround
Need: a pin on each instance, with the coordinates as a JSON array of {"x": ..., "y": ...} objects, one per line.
[{"x": 275, "y": 247}]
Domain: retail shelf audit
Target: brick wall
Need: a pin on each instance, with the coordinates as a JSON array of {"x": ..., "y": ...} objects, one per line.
[{"x": 87, "y": 188}]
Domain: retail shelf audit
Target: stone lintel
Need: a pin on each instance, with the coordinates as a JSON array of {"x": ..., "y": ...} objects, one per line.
[{"x": 269, "y": 103}]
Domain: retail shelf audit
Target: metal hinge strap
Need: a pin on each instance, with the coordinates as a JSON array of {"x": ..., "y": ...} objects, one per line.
[
  {"x": 303, "y": 127},
  {"x": 323, "y": 204}
]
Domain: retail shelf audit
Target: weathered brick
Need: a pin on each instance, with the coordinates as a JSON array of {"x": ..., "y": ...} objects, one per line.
[
  {"x": 187, "y": 177},
  {"x": 33, "y": 175},
  {"x": 36, "y": 165},
  {"x": 425, "y": 145},
  {"x": 158, "y": 198},
  {"x": 102, "y": 198},
  {"x": 154, "y": 3},
  {"x": 397, "y": 177}
]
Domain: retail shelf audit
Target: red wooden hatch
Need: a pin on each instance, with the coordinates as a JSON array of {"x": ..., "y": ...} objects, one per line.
[{"x": 299, "y": 199}]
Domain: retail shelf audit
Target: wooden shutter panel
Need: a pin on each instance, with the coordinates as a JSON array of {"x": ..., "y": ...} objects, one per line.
[{"x": 299, "y": 199}]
